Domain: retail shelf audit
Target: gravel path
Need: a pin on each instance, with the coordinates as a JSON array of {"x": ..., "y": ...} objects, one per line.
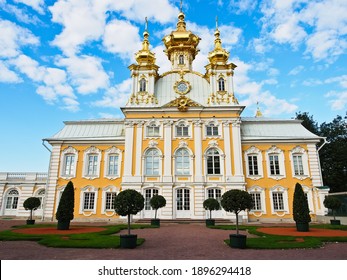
[{"x": 169, "y": 242}]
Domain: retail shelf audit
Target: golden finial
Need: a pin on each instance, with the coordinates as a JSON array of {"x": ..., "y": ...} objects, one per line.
[
  {"x": 216, "y": 22},
  {"x": 181, "y": 6},
  {"x": 146, "y": 24},
  {"x": 258, "y": 113}
]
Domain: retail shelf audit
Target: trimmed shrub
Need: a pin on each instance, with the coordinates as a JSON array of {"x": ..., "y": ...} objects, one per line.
[
  {"x": 66, "y": 205},
  {"x": 332, "y": 203},
  {"x": 211, "y": 204},
  {"x": 301, "y": 212},
  {"x": 156, "y": 202},
  {"x": 31, "y": 203}
]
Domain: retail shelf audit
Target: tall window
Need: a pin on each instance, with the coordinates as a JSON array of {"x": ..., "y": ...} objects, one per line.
[
  {"x": 253, "y": 165},
  {"x": 298, "y": 166},
  {"x": 12, "y": 199},
  {"x": 181, "y": 59},
  {"x": 182, "y": 130},
  {"x": 256, "y": 201},
  {"x": 212, "y": 130},
  {"x": 221, "y": 84},
  {"x": 109, "y": 203},
  {"x": 143, "y": 84},
  {"x": 69, "y": 164},
  {"x": 182, "y": 162},
  {"x": 152, "y": 162},
  {"x": 153, "y": 130},
  {"x": 40, "y": 195},
  {"x": 92, "y": 165},
  {"x": 112, "y": 164},
  {"x": 88, "y": 200},
  {"x": 213, "y": 162},
  {"x": 215, "y": 193},
  {"x": 274, "y": 165},
  {"x": 277, "y": 198},
  {"x": 149, "y": 193}
]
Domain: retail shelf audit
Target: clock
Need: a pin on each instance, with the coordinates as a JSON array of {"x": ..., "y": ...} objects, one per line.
[{"x": 182, "y": 87}]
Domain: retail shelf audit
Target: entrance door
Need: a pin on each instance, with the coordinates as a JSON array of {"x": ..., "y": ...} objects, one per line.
[
  {"x": 183, "y": 203},
  {"x": 215, "y": 193},
  {"x": 148, "y": 211},
  {"x": 11, "y": 203}
]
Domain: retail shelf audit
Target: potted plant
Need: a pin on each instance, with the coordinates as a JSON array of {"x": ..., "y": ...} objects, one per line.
[
  {"x": 31, "y": 203},
  {"x": 126, "y": 203},
  {"x": 66, "y": 207},
  {"x": 156, "y": 202},
  {"x": 236, "y": 201},
  {"x": 301, "y": 212},
  {"x": 334, "y": 204},
  {"x": 211, "y": 204}
]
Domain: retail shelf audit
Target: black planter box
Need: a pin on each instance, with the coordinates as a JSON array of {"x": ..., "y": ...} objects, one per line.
[
  {"x": 63, "y": 225},
  {"x": 30, "y": 222},
  {"x": 210, "y": 222},
  {"x": 238, "y": 241},
  {"x": 155, "y": 222},
  {"x": 128, "y": 241},
  {"x": 302, "y": 227},
  {"x": 335, "y": 222}
]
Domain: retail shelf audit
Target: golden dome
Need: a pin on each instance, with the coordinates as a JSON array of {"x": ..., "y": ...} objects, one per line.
[
  {"x": 218, "y": 55},
  {"x": 145, "y": 56}
]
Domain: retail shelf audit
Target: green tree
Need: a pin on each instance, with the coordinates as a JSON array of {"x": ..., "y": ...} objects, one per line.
[
  {"x": 66, "y": 207},
  {"x": 301, "y": 212},
  {"x": 31, "y": 203},
  {"x": 332, "y": 203},
  {"x": 156, "y": 202},
  {"x": 308, "y": 122},
  {"x": 211, "y": 204}
]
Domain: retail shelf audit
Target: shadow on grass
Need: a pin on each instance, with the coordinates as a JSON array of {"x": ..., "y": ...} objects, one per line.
[{"x": 98, "y": 240}]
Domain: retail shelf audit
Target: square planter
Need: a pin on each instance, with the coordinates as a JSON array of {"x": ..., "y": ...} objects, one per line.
[
  {"x": 238, "y": 241},
  {"x": 210, "y": 222},
  {"x": 30, "y": 222},
  {"x": 128, "y": 241},
  {"x": 155, "y": 222},
  {"x": 302, "y": 227},
  {"x": 335, "y": 222}
]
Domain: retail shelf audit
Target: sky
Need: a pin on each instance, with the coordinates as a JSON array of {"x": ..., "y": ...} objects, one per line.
[{"x": 67, "y": 60}]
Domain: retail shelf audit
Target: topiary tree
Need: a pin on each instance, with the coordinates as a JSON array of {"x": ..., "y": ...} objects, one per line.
[
  {"x": 211, "y": 204},
  {"x": 128, "y": 202},
  {"x": 156, "y": 202},
  {"x": 236, "y": 201},
  {"x": 301, "y": 212},
  {"x": 332, "y": 203},
  {"x": 66, "y": 207},
  {"x": 31, "y": 203}
]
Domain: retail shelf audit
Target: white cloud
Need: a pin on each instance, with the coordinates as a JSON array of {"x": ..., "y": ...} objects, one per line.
[
  {"x": 21, "y": 15},
  {"x": 342, "y": 80},
  {"x": 13, "y": 38},
  {"x": 339, "y": 100},
  {"x": 296, "y": 70},
  {"x": 116, "y": 96},
  {"x": 242, "y": 6},
  {"x": 8, "y": 76},
  {"x": 37, "y": 5},
  {"x": 86, "y": 73}
]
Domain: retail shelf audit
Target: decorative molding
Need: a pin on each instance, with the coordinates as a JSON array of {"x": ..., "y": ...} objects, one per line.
[
  {"x": 152, "y": 144},
  {"x": 213, "y": 144},
  {"x": 183, "y": 144}
]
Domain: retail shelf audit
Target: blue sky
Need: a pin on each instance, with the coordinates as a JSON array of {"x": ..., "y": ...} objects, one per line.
[{"x": 67, "y": 60}]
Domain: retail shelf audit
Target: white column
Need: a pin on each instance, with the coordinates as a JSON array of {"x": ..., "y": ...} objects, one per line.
[
  {"x": 236, "y": 129},
  {"x": 128, "y": 154},
  {"x": 138, "y": 157},
  {"x": 227, "y": 149},
  {"x": 167, "y": 176},
  {"x": 198, "y": 151}
]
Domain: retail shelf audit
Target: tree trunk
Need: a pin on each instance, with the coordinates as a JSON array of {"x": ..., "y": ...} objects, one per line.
[
  {"x": 237, "y": 223},
  {"x": 129, "y": 224},
  {"x": 31, "y": 214},
  {"x": 155, "y": 215}
]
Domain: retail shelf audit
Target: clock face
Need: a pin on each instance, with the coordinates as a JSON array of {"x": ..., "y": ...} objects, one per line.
[{"x": 182, "y": 87}]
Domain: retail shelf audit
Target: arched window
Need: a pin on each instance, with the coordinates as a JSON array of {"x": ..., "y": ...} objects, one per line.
[
  {"x": 143, "y": 84},
  {"x": 152, "y": 162},
  {"x": 181, "y": 59},
  {"x": 221, "y": 84},
  {"x": 12, "y": 199},
  {"x": 182, "y": 162},
  {"x": 213, "y": 162},
  {"x": 40, "y": 195}
]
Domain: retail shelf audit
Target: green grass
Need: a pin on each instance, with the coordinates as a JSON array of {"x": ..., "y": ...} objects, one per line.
[
  {"x": 97, "y": 240},
  {"x": 269, "y": 241}
]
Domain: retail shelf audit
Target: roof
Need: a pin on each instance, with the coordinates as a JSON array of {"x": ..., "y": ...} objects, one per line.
[
  {"x": 274, "y": 129},
  {"x": 102, "y": 129}
]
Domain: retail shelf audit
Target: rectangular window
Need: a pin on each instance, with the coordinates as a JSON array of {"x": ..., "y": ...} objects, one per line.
[
  {"x": 256, "y": 201},
  {"x": 88, "y": 202},
  {"x": 274, "y": 165},
  {"x": 278, "y": 204},
  {"x": 110, "y": 196},
  {"x": 182, "y": 131},
  {"x": 92, "y": 165},
  {"x": 113, "y": 165},
  {"x": 298, "y": 167},
  {"x": 148, "y": 195},
  {"x": 253, "y": 165},
  {"x": 212, "y": 130},
  {"x": 69, "y": 165},
  {"x": 152, "y": 131}
]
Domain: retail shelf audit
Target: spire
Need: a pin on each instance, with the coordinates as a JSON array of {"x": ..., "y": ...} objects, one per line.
[
  {"x": 218, "y": 55},
  {"x": 145, "y": 56},
  {"x": 258, "y": 114}
]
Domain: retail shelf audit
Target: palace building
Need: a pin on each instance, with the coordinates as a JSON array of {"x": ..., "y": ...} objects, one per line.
[{"x": 183, "y": 137}]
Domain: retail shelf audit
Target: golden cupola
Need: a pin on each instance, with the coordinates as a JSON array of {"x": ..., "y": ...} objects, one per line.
[
  {"x": 145, "y": 56},
  {"x": 218, "y": 55},
  {"x": 181, "y": 45}
]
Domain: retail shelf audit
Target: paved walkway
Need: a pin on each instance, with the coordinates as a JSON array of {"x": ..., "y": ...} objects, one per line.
[{"x": 169, "y": 242}]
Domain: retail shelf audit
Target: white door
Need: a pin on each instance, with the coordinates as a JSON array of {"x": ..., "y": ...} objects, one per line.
[
  {"x": 148, "y": 211},
  {"x": 183, "y": 208},
  {"x": 11, "y": 203},
  {"x": 215, "y": 193}
]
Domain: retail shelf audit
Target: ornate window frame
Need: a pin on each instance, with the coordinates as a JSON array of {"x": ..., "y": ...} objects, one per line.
[
  {"x": 221, "y": 84},
  {"x": 284, "y": 192},
  {"x": 153, "y": 146},
  {"x": 212, "y": 123},
  {"x": 91, "y": 151},
  {"x": 88, "y": 189},
  {"x": 108, "y": 189},
  {"x": 153, "y": 123},
  {"x": 66, "y": 152},
  {"x": 299, "y": 151},
  {"x": 113, "y": 151},
  {"x": 183, "y": 123},
  {"x": 254, "y": 151},
  {"x": 261, "y": 191},
  {"x": 276, "y": 151},
  {"x": 143, "y": 84},
  {"x": 183, "y": 146},
  {"x": 214, "y": 145}
]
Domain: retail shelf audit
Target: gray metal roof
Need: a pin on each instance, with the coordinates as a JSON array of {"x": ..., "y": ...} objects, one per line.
[
  {"x": 102, "y": 129},
  {"x": 274, "y": 129}
]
